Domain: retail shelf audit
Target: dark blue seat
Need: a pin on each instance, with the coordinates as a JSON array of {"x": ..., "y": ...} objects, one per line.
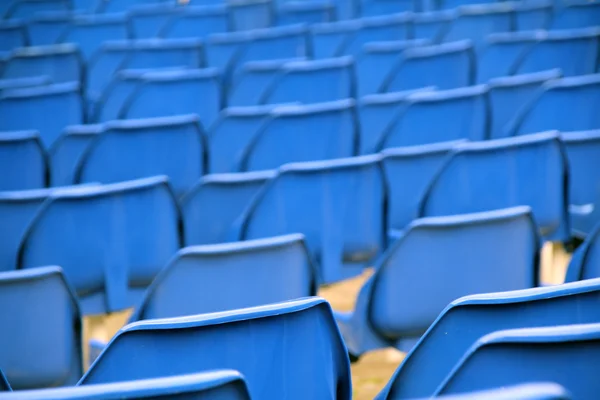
[
  {"x": 25, "y": 9},
  {"x": 467, "y": 254},
  {"x": 577, "y": 14},
  {"x": 18, "y": 83},
  {"x": 476, "y": 21},
  {"x": 528, "y": 170},
  {"x": 329, "y": 38},
  {"x": 46, "y": 27},
  {"x": 432, "y": 25},
  {"x": 147, "y": 20},
  {"x": 214, "y": 205},
  {"x": 312, "y": 12},
  {"x": 197, "y": 22},
  {"x": 13, "y": 34},
  {"x": 23, "y": 161},
  {"x": 584, "y": 263},
  {"x": 534, "y": 15},
  {"x": 42, "y": 329},
  {"x": 61, "y": 63},
  {"x": 301, "y": 334}
]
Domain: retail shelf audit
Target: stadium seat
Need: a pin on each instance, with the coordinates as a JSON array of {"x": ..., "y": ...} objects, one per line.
[
  {"x": 562, "y": 104},
  {"x": 439, "y": 116},
  {"x": 118, "y": 6},
  {"x": 46, "y": 27},
  {"x": 212, "y": 207},
  {"x": 23, "y": 161},
  {"x": 507, "y": 95},
  {"x": 338, "y": 205},
  {"x": 476, "y": 21},
  {"x": 132, "y": 149},
  {"x": 466, "y": 320},
  {"x": 408, "y": 172},
  {"x": 577, "y": 14},
  {"x": 42, "y": 329},
  {"x": 534, "y": 15},
  {"x": 432, "y": 25},
  {"x": 522, "y": 355},
  {"x": 147, "y": 20},
  {"x": 251, "y": 14},
  {"x": 198, "y": 279},
  {"x": 197, "y": 22},
  {"x": 328, "y": 39},
  {"x": 582, "y": 149},
  {"x": 526, "y": 391},
  {"x": 18, "y": 83},
  {"x": 528, "y": 170},
  {"x": 13, "y": 34},
  {"x": 299, "y": 133},
  {"x": 299, "y": 12},
  {"x": 584, "y": 263},
  {"x": 118, "y": 237},
  {"x": 312, "y": 82},
  {"x": 25, "y": 9},
  {"x": 189, "y": 92},
  {"x": 299, "y": 333},
  {"x": 110, "y": 103},
  {"x": 47, "y": 109},
  {"x": 467, "y": 254},
  {"x": 61, "y": 63},
  {"x": 446, "y": 66}
]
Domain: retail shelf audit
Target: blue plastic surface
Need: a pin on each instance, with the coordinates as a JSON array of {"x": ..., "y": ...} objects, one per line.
[
  {"x": 26, "y": 9},
  {"x": 17, "y": 83},
  {"x": 577, "y": 14},
  {"x": 62, "y": 63},
  {"x": 117, "y": 6},
  {"x": 4, "y": 385},
  {"x": 46, "y": 27},
  {"x": 23, "y": 161},
  {"x": 313, "y": 12},
  {"x": 432, "y": 25},
  {"x": 526, "y": 391},
  {"x": 13, "y": 34},
  {"x": 197, "y": 22},
  {"x": 476, "y": 21},
  {"x": 147, "y": 21},
  {"x": 584, "y": 263},
  {"x": 327, "y": 38},
  {"x": 535, "y": 15},
  {"x": 251, "y": 14}
]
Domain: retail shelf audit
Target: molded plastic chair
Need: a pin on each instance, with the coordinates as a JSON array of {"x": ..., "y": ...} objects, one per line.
[
  {"x": 580, "y": 14},
  {"x": 213, "y": 206},
  {"x": 369, "y": 8},
  {"x": 46, "y": 27},
  {"x": 42, "y": 329},
  {"x": 147, "y": 20},
  {"x": 23, "y": 161},
  {"x": 110, "y": 103},
  {"x": 251, "y": 14},
  {"x": 476, "y": 21},
  {"x": 526, "y": 391},
  {"x": 299, "y": 12},
  {"x": 432, "y": 25},
  {"x": 467, "y": 254},
  {"x": 197, "y": 22},
  {"x": 535, "y": 15},
  {"x": 329, "y": 38},
  {"x": 13, "y": 34},
  {"x": 19, "y": 83},
  {"x": 62, "y": 63},
  {"x": 301, "y": 333},
  {"x": 528, "y": 170}
]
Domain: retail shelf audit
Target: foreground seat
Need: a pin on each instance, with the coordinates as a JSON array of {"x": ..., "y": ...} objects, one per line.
[{"x": 23, "y": 161}]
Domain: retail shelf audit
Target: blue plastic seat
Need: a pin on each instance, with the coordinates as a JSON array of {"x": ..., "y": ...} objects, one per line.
[
  {"x": 61, "y": 63},
  {"x": 198, "y": 279},
  {"x": 23, "y": 161},
  {"x": 526, "y": 391},
  {"x": 439, "y": 116},
  {"x": 329, "y": 38},
  {"x": 562, "y": 104},
  {"x": 476, "y": 21},
  {"x": 42, "y": 329},
  {"x": 26, "y": 9},
  {"x": 301, "y": 332},
  {"x": 47, "y": 109},
  {"x": 147, "y": 20},
  {"x": 337, "y": 205},
  {"x": 313, "y": 132},
  {"x": 432, "y": 25},
  {"x": 197, "y": 22},
  {"x": 132, "y": 149},
  {"x": 584, "y": 263},
  {"x": 118, "y": 237},
  {"x": 251, "y": 14},
  {"x": 369, "y": 8},
  {"x": 528, "y": 170},
  {"x": 408, "y": 172},
  {"x": 216, "y": 203},
  {"x": 13, "y": 34},
  {"x": 446, "y": 66},
  {"x": 535, "y": 15},
  {"x": 118, "y": 6},
  {"x": 507, "y": 95},
  {"x": 46, "y": 27},
  {"x": 110, "y": 103},
  {"x": 467, "y": 254},
  {"x": 579, "y": 14},
  {"x": 18, "y": 83},
  {"x": 214, "y": 385},
  {"x": 299, "y": 12},
  {"x": 466, "y": 320}
]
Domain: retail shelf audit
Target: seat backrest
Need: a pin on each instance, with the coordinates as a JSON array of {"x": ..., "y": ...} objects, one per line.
[
  {"x": 212, "y": 207},
  {"x": 528, "y": 170},
  {"x": 304, "y": 133},
  {"x": 13, "y": 34},
  {"x": 584, "y": 263},
  {"x": 18, "y": 83},
  {"x": 431, "y": 117},
  {"x": 251, "y": 14},
  {"x": 302, "y": 332},
  {"x": 526, "y": 391},
  {"x": 329, "y": 38},
  {"x": 577, "y": 15},
  {"x": 25, "y": 9},
  {"x": 132, "y": 149},
  {"x": 110, "y": 103},
  {"x": 304, "y": 12},
  {"x": 376, "y": 29},
  {"x": 40, "y": 316},
  {"x": 47, "y": 109},
  {"x": 46, "y": 27},
  {"x": 148, "y": 20},
  {"x": 446, "y": 66},
  {"x": 432, "y": 25},
  {"x": 198, "y": 279},
  {"x": 117, "y": 238},
  {"x": 534, "y": 15},
  {"x": 467, "y": 319},
  {"x": 476, "y": 21},
  {"x": 62, "y": 63},
  {"x": 197, "y": 22},
  {"x": 23, "y": 161}
]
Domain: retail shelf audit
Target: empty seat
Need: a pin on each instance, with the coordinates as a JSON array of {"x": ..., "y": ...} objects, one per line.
[
  {"x": 66, "y": 152},
  {"x": 110, "y": 103},
  {"x": 42, "y": 329},
  {"x": 46, "y": 27},
  {"x": 535, "y": 15},
  {"x": 507, "y": 95},
  {"x": 17, "y": 83},
  {"x": 578, "y": 14},
  {"x": 47, "y": 109},
  {"x": 251, "y": 14},
  {"x": 197, "y": 22},
  {"x": 301, "y": 332},
  {"x": 60, "y": 62},
  {"x": 132, "y": 149},
  {"x": 147, "y": 20},
  {"x": 118, "y": 237},
  {"x": 337, "y": 205},
  {"x": 213, "y": 207},
  {"x": 328, "y": 39},
  {"x": 291, "y": 13},
  {"x": 303, "y": 133},
  {"x": 584, "y": 263},
  {"x": 439, "y": 116},
  {"x": 446, "y": 66},
  {"x": 476, "y": 21},
  {"x": 13, "y": 34},
  {"x": 467, "y": 319},
  {"x": 432, "y": 25},
  {"x": 528, "y": 170},
  {"x": 23, "y": 162},
  {"x": 25, "y": 9}
]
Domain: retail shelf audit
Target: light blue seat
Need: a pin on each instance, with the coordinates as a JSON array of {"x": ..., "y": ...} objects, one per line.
[
  {"x": 299, "y": 12},
  {"x": 439, "y": 116},
  {"x": 523, "y": 355},
  {"x": 584, "y": 263},
  {"x": 313, "y": 132},
  {"x": 584, "y": 192},
  {"x": 329, "y": 38},
  {"x": 574, "y": 51},
  {"x": 408, "y": 173},
  {"x": 577, "y": 14},
  {"x": 197, "y": 22},
  {"x": 213, "y": 207},
  {"x": 13, "y": 34},
  {"x": 46, "y": 27},
  {"x": 562, "y": 104},
  {"x": 18, "y": 83},
  {"x": 132, "y": 149},
  {"x": 476, "y": 21},
  {"x": 61, "y": 63},
  {"x": 118, "y": 237},
  {"x": 25, "y": 9},
  {"x": 213, "y": 385},
  {"x": 446, "y": 66},
  {"x": 337, "y": 205},
  {"x": 528, "y": 170},
  {"x": 301, "y": 332},
  {"x": 42, "y": 329},
  {"x": 47, "y": 109},
  {"x": 534, "y": 15},
  {"x": 147, "y": 20},
  {"x": 118, "y": 6},
  {"x": 432, "y": 25},
  {"x": 312, "y": 82},
  {"x": 466, "y": 320},
  {"x": 189, "y": 92},
  {"x": 507, "y": 95},
  {"x": 251, "y": 14},
  {"x": 197, "y": 280},
  {"x": 23, "y": 161}
]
